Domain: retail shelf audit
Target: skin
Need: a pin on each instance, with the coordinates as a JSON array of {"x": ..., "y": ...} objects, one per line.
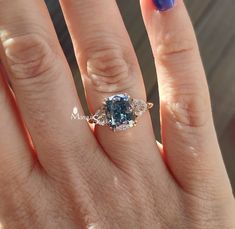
[{"x": 59, "y": 173}]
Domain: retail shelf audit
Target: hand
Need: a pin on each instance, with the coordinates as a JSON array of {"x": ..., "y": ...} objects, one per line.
[{"x": 57, "y": 173}]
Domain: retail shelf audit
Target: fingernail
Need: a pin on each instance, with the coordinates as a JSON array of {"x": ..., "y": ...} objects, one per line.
[{"x": 163, "y": 5}]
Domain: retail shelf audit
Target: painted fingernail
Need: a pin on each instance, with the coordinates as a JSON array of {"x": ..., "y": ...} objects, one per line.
[{"x": 163, "y": 5}]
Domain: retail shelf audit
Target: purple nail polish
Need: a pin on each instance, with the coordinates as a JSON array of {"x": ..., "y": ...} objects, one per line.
[{"x": 163, "y": 5}]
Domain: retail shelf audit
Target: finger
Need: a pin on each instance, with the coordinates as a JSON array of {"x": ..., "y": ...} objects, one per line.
[
  {"x": 188, "y": 134},
  {"x": 43, "y": 84},
  {"x": 16, "y": 159},
  {"x": 109, "y": 66}
]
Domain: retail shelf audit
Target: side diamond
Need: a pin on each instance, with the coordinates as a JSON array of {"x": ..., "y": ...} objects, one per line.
[{"x": 139, "y": 106}]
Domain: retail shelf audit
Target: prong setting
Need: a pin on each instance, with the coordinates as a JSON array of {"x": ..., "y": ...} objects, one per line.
[{"x": 120, "y": 112}]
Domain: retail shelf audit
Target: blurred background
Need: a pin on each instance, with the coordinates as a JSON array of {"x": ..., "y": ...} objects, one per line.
[{"x": 213, "y": 21}]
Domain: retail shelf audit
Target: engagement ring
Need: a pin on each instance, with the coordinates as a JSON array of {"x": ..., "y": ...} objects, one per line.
[{"x": 120, "y": 112}]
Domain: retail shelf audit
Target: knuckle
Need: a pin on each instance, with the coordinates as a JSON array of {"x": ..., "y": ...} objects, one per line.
[
  {"x": 201, "y": 213},
  {"x": 109, "y": 70},
  {"x": 188, "y": 109},
  {"x": 28, "y": 56},
  {"x": 172, "y": 44}
]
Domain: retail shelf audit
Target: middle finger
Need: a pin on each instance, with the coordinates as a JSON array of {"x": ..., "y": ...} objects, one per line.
[{"x": 43, "y": 84}]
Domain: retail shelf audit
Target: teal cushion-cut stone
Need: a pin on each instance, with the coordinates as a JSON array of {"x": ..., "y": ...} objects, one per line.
[{"x": 119, "y": 112}]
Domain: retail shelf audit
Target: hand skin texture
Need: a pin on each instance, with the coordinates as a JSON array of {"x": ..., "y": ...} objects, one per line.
[{"x": 59, "y": 173}]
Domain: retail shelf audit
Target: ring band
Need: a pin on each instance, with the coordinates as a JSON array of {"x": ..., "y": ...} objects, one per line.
[{"x": 120, "y": 112}]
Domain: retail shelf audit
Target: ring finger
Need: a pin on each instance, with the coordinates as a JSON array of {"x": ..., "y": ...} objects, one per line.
[{"x": 109, "y": 66}]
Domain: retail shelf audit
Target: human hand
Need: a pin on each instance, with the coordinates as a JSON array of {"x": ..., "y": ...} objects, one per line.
[{"x": 58, "y": 173}]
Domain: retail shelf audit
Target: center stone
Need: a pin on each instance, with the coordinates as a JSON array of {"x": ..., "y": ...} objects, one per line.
[{"x": 119, "y": 112}]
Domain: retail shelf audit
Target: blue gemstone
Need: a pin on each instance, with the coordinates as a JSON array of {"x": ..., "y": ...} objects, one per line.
[
  {"x": 119, "y": 111},
  {"x": 163, "y": 5}
]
